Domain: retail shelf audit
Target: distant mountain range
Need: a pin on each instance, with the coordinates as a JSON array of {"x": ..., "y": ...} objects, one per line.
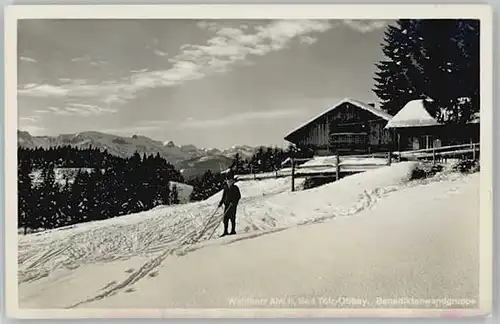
[{"x": 189, "y": 159}]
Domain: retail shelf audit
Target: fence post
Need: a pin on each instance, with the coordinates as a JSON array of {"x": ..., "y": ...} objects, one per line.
[
  {"x": 337, "y": 166},
  {"x": 433, "y": 155},
  {"x": 389, "y": 157},
  {"x": 472, "y": 147},
  {"x": 293, "y": 173},
  {"x": 474, "y": 151}
]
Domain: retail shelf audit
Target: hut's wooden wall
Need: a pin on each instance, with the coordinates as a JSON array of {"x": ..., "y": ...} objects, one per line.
[{"x": 352, "y": 121}]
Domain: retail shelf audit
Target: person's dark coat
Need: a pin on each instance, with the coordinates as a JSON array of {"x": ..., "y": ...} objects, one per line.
[{"x": 230, "y": 196}]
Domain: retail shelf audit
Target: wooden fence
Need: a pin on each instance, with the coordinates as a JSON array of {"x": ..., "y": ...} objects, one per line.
[
  {"x": 348, "y": 164},
  {"x": 444, "y": 152},
  {"x": 334, "y": 167}
]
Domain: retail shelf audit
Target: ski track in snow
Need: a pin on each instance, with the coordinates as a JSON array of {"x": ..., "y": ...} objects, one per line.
[
  {"x": 126, "y": 236},
  {"x": 177, "y": 230}
]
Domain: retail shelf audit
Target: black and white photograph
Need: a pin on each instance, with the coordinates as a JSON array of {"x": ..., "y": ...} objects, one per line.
[{"x": 246, "y": 161}]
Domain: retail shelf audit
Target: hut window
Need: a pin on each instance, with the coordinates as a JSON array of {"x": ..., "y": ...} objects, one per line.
[
  {"x": 347, "y": 138},
  {"x": 425, "y": 141}
]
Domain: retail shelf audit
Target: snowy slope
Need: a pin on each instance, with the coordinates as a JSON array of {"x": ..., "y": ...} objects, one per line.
[
  {"x": 184, "y": 191},
  {"x": 125, "y": 236},
  {"x": 128, "y": 249},
  {"x": 426, "y": 252}
]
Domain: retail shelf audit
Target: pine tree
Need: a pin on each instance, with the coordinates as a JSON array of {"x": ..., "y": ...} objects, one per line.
[
  {"x": 452, "y": 49},
  {"x": 114, "y": 187},
  {"x": 160, "y": 184},
  {"x": 399, "y": 79},
  {"x": 206, "y": 185},
  {"x": 115, "y": 183},
  {"x": 63, "y": 202},
  {"x": 95, "y": 195},
  {"x": 25, "y": 195},
  {"x": 431, "y": 58},
  {"x": 174, "y": 195},
  {"x": 79, "y": 202},
  {"x": 48, "y": 193},
  {"x": 238, "y": 164},
  {"x": 277, "y": 158},
  {"x": 268, "y": 160},
  {"x": 259, "y": 160},
  {"x": 133, "y": 184}
]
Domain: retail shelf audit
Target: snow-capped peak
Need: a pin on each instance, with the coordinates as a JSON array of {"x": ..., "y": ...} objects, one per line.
[{"x": 168, "y": 144}]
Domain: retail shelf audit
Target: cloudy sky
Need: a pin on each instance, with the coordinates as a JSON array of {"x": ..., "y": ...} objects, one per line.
[{"x": 213, "y": 83}]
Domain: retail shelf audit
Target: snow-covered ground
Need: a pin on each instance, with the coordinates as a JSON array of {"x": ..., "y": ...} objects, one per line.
[
  {"x": 183, "y": 190},
  {"x": 403, "y": 239},
  {"x": 143, "y": 233}
]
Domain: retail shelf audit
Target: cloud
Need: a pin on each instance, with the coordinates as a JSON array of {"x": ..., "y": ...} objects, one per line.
[
  {"x": 242, "y": 118},
  {"x": 88, "y": 110},
  {"x": 80, "y": 59},
  {"x": 227, "y": 47},
  {"x": 33, "y": 129},
  {"x": 27, "y": 59},
  {"x": 59, "y": 111},
  {"x": 42, "y": 90},
  {"x": 365, "y": 26},
  {"x": 190, "y": 122},
  {"x": 138, "y": 71},
  {"x": 207, "y": 25},
  {"x": 97, "y": 62},
  {"x": 307, "y": 40},
  {"x": 160, "y": 53},
  {"x": 29, "y": 119},
  {"x": 31, "y": 124},
  {"x": 74, "y": 109},
  {"x": 107, "y": 92},
  {"x": 88, "y": 60},
  {"x": 151, "y": 126}
]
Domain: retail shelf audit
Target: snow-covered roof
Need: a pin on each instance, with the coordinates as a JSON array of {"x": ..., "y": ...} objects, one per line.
[
  {"x": 378, "y": 112},
  {"x": 413, "y": 114}
]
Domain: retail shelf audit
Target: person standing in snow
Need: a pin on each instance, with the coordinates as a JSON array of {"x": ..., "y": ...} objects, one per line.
[{"x": 230, "y": 198}]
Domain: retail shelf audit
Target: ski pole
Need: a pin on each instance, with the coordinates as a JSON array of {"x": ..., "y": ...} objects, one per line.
[
  {"x": 206, "y": 225},
  {"x": 218, "y": 223}
]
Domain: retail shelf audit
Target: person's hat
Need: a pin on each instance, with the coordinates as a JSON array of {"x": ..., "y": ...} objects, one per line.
[{"x": 230, "y": 175}]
